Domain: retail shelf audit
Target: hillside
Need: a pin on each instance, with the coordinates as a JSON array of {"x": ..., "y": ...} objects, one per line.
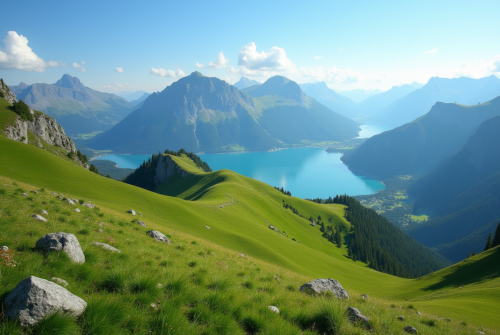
[
  {"x": 77, "y": 108},
  {"x": 204, "y": 114},
  {"x": 462, "y": 194},
  {"x": 419, "y": 146},
  {"x": 374, "y": 104},
  {"x": 331, "y": 99},
  {"x": 466, "y": 91}
]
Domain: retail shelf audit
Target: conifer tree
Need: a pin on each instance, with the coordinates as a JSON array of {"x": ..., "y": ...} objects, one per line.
[
  {"x": 496, "y": 239},
  {"x": 473, "y": 252},
  {"x": 489, "y": 242}
]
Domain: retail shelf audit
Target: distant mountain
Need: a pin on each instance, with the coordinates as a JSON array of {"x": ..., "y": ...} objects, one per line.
[
  {"x": 374, "y": 104},
  {"x": 245, "y": 82},
  {"x": 359, "y": 95},
  {"x": 131, "y": 95},
  {"x": 77, "y": 108},
  {"x": 463, "y": 195},
  {"x": 331, "y": 99},
  {"x": 138, "y": 103},
  {"x": 19, "y": 88},
  {"x": 463, "y": 90},
  {"x": 417, "y": 147},
  {"x": 204, "y": 114}
]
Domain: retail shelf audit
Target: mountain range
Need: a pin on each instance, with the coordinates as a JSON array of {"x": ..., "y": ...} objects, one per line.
[
  {"x": 205, "y": 114},
  {"x": 132, "y": 95},
  {"x": 77, "y": 108},
  {"x": 245, "y": 82}
]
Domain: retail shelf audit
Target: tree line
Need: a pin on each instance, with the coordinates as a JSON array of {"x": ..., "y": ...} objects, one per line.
[{"x": 492, "y": 242}]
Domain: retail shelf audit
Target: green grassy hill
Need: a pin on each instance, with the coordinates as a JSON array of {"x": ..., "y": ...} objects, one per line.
[{"x": 241, "y": 226}]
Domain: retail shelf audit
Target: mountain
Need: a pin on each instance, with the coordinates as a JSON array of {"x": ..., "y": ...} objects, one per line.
[
  {"x": 206, "y": 114},
  {"x": 331, "y": 99},
  {"x": 77, "y": 108},
  {"x": 419, "y": 146},
  {"x": 463, "y": 90},
  {"x": 374, "y": 104},
  {"x": 132, "y": 95},
  {"x": 462, "y": 194},
  {"x": 138, "y": 103},
  {"x": 359, "y": 95},
  {"x": 245, "y": 82},
  {"x": 19, "y": 88}
]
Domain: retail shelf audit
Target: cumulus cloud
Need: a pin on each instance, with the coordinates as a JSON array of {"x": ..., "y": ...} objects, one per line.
[
  {"x": 199, "y": 65},
  {"x": 81, "y": 67},
  {"x": 119, "y": 69},
  {"x": 17, "y": 55},
  {"x": 220, "y": 62},
  {"x": 274, "y": 60},
  {"x": 167, "y": 73},
  {"x": 431, "y": 51},
  {"x": 478, "y": 70}
]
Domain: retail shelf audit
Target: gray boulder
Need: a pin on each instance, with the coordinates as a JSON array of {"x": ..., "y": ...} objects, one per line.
[
  {"x": 207, "y": 227},
  {"x": 77, "y": 210},
  {"x": 88, "y": 205},
  {"x": 141, "y": 223},
  {"x": 410, "y": 329},
  {"x": 364, "y": 296},
  {"x": 39, "y": 218},
  {"x": 75, "y": 201},
  {"x": 35, "y": 298},
  {"x": 24, "y": 194},
  {"x": 69, "y": 201},
  {"x": 106, "y": 246},
  {"x": 158, "y": 236},
  {"x": 274, "y": 309},
  {"x": 44, "y": 212},
  {"x": 400, "y": 318},
  {"x": 326, "y": 285},
  {"x": 60, "y": 281},
  {"x": 64, "y": 242},
  {"x": 354, "y": 315},
  {"x": 4, "y": 248},
  {"x": 131, "y": 211}
]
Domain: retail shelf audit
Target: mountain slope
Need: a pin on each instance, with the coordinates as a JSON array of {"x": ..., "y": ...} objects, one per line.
[
  {"x": 358, "y": 95},
  {"x": 200, "y": 113},
  {"x": 459, "y": 90},
  {"x": 245, "y": 82},
  {"x": 331, "y": 99},
  {"x": 77, "y": 108},
  {"x": 374, "y": 104},
  {"x": 417, "y": 147}
]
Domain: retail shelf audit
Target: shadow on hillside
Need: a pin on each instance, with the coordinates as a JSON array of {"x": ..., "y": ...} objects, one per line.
[
  {"x": 471, "y": 271},
  {"x": 177, "y": 185}
]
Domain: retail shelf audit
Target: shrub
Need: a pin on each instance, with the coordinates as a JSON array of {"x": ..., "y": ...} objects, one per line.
[{"x": 21, "y": 109}]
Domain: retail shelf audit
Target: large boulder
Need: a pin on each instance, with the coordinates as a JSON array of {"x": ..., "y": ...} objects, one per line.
[
  {"x": 106, "y": 246},
  {"x": 158, "y": 236},
  {"x": 141, "y": 223},
  {"x": 410, "y": 329},
  {"x": 35, "y": 298},
  {"x": 67, "y": 243},
  {"x": 326, "y": 285},
  {"x": 354, "y": 315}
]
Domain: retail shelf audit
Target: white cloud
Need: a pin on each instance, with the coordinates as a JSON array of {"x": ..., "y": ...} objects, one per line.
[
  {"x": 220, "y": 62},
  {"x": 81, "y": 67},
  {"x": 53, "y": 64},
  {"x": 17, "y": 55},
  {"x": 274, "y": 60},
  {"x": 119, "y": 69},
  {"x": 431, "y": 51},
  {"x": 332, "y": 74},
  {"x": 167, "y": 73},
  {"x": 199, "y": 65},
  {"x": 318, "y": 57}
]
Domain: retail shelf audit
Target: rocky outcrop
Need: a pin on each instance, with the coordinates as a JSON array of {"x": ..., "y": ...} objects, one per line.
[
  {"x": 159, "y": 237},
  {"x": 355, "y": 316},
  {"x": 67, "y": 243},
  {"x": 166, "y": 168},
  {"x": 8, "y": 95},
  {"x": 35, "y": 298},
  {"x": 325, "y": 285}
]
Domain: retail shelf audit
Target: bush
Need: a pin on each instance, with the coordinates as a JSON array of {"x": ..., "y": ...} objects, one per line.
[
  {"x": 21, "y": 109},
  {"x": 93, "y": 168},
  {"x": 2, "y": 95}
]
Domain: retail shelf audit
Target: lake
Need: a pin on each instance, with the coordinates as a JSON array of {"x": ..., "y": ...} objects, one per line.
[{"x": 306, "y": 172}]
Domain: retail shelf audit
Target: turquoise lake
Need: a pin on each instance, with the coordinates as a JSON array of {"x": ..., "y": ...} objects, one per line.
[{"x": 306, "y": 172}]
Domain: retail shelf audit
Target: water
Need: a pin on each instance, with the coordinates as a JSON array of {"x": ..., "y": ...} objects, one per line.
[
  {"x": 306, "y": 172},
  {"x": 369, "y": 130}
]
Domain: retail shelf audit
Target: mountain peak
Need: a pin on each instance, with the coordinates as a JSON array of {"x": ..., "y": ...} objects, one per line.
[
  {"x": 279, "y": 86},
  {"x": 245, "y": 82},
  {"x": 70, "y": 82}
]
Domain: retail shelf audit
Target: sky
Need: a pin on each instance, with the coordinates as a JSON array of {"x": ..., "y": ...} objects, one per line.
[{"x": 114, "y": 46}]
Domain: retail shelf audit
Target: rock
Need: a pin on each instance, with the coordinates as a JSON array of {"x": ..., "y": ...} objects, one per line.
[
  {"x": 34, "y": 191},
  {"x": 69, "y": 201},
  {"x": 153, "y": 305},
  {"x": 158, "y": 236},
  {"x": 410, "y": 329},
  {"x": 64, "y": 242},
  {"x": 5, "y": 248},
  {"x": 326, "y": 285},
  {"x": 274, "y": 309},
  {"x": 419, "y": 313},
  {"x": 60, "y": 281},
  {"x": 271, "y": 227},
  {"x": 400, "y": 318},
  {"x": 131, "y": 211},
  {"x": 62, "y": 195},
  {"x": 159, "y": 285},
  {"x": 44, "y": 212},
  {"x": 207, "y": 227},
  {"x": 480, "y": 332},
  {"x": 54, "y": 193},
  {"x": 277, "y": 278},
  {"x": 354, "y": 315},
  {"x": 364, "y": 296},
  {"x": 77, "y": 210},
  {"x": 88, "y": 205},
  {"x": 75, "y": 201},
  {"x": 106, "y": 246},
  {"x": 141, "y": 223},
  {"x": 140, "y": 213},
  {"x": 241, "y": 255},
  {"x": 35, "y": 298},
  {"x": 24, "y": 194},
  {"x": 100, "y": 230},
  {"x": 39, "y": 218}
]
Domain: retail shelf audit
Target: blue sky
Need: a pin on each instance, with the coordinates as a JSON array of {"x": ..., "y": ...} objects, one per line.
[{"x": 360, "y": 44}]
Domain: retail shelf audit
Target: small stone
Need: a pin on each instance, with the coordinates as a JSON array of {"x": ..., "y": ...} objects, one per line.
[
  {"x": 277, "y": 278},
  {"x": 153, "y": 305},
  {"x": 69, "y": 201},
  {"x": 39, "y": 218},
  {"x": 364, "y": 296},
  {"x": 100, "y": 224},
  {"x": 100, "y": 230},
  {"x": 131, "y": 211},
  {"x": 34, "y": 191},
  {"x": 60, "y": 281},
  {"x": 106, "y": 246},
  {"x": 77, "y": 210},
  {"x": 354, "y": 315},
  {"x": 44, "y": 212},
  {"x": 141, "y": 223},
  {"x": 54, "y": 193},
  {"x": 88, "y": 205},
  {"x": 67, "y": 243},
  {"x": 159, "y": 285},
  {"x": 62, "y": 195},
  {"x": 480, "y": 332},
  {"x": 326, "y": 285},
  {"x": 5, "y": 248},
  {"x": 400, "y": 318},
  {"x": 140, "y": 213},
  {"x": 271, "y": 227},
  {"x": 410, "y": 329},
  {"x": 24, "y": 195},
  {"x": 241, "y": 255},
  {"x": 75, "y": 201},
  {"x": 159, "y": 237},
  {"x": 419, "y": 313},
  {"x": 274, "y": 309},
  {"x": 207, "y": 227}
]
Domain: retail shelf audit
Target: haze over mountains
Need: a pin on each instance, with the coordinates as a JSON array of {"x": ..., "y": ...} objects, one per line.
[
  {"x": 201, "y": 113},
  {"x": 77, "y": 108},
  {"x": 245, "y": 82}
]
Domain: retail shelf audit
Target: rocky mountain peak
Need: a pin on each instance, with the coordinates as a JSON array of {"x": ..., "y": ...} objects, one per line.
[
  {"x": 8, "y": 95},
  {"x": 70, "y": 82}
]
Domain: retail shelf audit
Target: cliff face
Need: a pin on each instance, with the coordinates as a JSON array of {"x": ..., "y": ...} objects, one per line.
[
  {"x": 9, "y": 96},
  {"x": 165, "y": 169}
]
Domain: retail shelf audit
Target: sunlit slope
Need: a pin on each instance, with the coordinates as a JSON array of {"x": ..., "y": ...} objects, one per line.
[
  {"x": 240, "y": 226},
  {"x": 468, "y": 290}
]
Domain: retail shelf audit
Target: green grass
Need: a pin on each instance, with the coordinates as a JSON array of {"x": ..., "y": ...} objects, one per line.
[
  {"x": 419, "y": 218},
  {"x": 240, "y": 227}
]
